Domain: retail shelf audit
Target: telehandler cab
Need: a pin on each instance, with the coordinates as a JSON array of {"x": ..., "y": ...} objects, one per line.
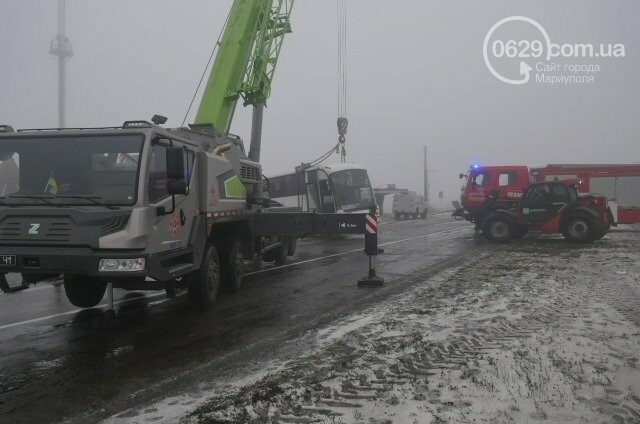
[{"x": 549, "y": 207}]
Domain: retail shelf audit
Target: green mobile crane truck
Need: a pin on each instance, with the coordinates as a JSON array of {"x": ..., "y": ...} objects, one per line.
[{"x": 141, "y": 206}]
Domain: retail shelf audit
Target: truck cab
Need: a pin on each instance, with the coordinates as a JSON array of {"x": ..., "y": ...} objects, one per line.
[
  {"x": 482, "y": 182},
  {"x": 125, "y": 205}
]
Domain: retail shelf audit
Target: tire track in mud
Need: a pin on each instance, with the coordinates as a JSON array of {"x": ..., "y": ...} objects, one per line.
[{"x": 414, "y": 364}]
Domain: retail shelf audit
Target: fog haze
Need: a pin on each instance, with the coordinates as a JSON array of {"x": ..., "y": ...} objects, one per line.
[{"x": 416, "y": 77}]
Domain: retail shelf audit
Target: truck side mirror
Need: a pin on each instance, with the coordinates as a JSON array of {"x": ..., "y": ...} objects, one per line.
[
  {"x": 176, "y": 183},
  {"x": 175, "y": 163},
  {"x": 177, "y": 187}
]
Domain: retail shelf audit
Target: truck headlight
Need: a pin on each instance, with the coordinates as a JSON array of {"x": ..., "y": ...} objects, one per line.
[{"x": 110, "y": 265}]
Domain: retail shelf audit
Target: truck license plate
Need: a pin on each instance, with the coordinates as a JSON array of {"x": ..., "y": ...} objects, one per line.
[{"x": 7, "y": 260}]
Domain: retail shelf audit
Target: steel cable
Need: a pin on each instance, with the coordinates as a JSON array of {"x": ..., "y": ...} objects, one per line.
[{"x": 204, "y": 71}]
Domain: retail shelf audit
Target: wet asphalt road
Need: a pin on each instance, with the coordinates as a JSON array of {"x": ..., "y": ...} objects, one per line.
[{"x": 62, "y": 364}]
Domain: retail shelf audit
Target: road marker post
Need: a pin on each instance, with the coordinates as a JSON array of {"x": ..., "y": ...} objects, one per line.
[{"x": 371, "y": 250}]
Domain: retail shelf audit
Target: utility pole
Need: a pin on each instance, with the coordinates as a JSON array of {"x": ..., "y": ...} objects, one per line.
[
  {"x": 61, "y": 49},
  {"x": 426, "y": 177}
]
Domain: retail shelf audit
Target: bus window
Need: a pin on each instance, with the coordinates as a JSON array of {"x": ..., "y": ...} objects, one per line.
[{"x": 352, "y": 189}]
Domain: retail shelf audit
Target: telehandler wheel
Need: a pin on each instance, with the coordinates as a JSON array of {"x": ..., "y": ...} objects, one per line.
[
  {"x": 499, "y": 229},
  {"x": 580, "y": 229},
  {"x": 232, "y": 266},
  {"x": 205, "y": 282},
  {"x": 603, "y": 232},
  {"x": 83, "y": 291}
]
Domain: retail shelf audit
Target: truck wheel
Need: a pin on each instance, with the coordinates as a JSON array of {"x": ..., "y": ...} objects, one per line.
[
  {"x": 292, "y": 246},
  {"x": 232, "y": 267},
  {"x": 579, "y": 229},
  {"x": 83, "y": 291},
  {"x": 280, "y": 254},
  {"x": 205, "y": 282},
  {"x": 499, "y": 229}
]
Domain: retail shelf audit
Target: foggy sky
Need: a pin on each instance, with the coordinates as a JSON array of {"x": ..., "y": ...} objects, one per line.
[{"x": 416, "y": 77}]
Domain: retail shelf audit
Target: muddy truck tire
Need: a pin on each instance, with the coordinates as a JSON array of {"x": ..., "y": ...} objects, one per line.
[
  {"x": 83, "y": 291},
  {"x": 292, "y": 245},
  {"x": 232, "y": 266},
  {"x": 280, "y": 253},
  {"x": 205, "y": 282}
]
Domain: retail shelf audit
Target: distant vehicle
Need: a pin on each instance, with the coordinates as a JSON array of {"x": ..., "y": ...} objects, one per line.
[
  {"x": 409, "y": 206},
  {"x": 549, "y": 207},
  {"x": 337, "y": 188}
]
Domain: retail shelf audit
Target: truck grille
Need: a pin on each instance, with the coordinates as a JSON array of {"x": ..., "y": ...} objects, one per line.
[
  {"x": 35, "y": 230},
  {"x": 249, "y": 173}
]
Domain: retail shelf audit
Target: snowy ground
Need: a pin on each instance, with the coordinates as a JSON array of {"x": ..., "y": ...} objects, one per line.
[{"x": 537, "y": 331}]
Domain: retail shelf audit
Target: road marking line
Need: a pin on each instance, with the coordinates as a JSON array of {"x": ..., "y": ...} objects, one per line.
[
  {"x": 61, "y": 314},
  {"x": 349, "y": 251}
]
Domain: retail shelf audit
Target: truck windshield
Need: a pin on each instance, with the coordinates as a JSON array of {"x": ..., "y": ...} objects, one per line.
[
  {"x": 70, "y": 170},
  {"x": 352, "y": 189}
]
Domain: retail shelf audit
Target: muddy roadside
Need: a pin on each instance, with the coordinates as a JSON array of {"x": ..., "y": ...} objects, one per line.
[{"x": 539, "y": 330}]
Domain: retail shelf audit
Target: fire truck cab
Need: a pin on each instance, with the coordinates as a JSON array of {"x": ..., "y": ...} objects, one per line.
[{"x": 508, "y": 182}]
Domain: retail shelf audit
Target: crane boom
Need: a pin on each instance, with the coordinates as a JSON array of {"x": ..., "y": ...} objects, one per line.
[{"x": 246, "y": 60}]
